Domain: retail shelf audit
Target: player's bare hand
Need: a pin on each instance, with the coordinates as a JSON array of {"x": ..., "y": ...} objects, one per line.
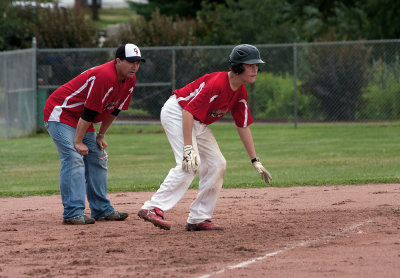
[
  {"x": 81, "y": 148},
  {"x": 191, "y": 160},
  {"x": 265, "y": 175},
  {"x": 101, "y": 142}
]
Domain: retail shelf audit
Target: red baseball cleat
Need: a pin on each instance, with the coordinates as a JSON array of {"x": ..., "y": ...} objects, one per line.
[
  {"x": 155, "y": 216},
  {"x": 206, "y": 225}
]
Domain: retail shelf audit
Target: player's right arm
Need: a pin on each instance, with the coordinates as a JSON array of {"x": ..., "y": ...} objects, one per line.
[
  {"x": 84, "y": 123},
  {"x": 190, "y": 160}
]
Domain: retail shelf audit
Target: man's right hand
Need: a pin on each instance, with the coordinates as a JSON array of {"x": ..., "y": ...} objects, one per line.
[
  {"x": 191, "y": 160},
  {"x": 265, "y": 175},
  {"x": 81, "y": 148}
]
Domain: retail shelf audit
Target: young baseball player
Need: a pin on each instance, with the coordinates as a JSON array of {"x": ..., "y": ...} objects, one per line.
[
  {"x": 96, "y": 95},
  {"x": 185, "y": 118}
]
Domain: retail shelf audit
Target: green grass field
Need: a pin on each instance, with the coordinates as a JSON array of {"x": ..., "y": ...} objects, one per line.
[
  {"x": 113, "y": 16},
  {"x": 140, "y": 157}
]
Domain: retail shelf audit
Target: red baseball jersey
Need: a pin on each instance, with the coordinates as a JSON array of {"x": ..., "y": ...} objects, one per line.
[
  {"x": 98, "y": 89},
  {"x": 210, "y": 97}
]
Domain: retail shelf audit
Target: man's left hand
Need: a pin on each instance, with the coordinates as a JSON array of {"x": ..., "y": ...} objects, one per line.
[
  {"x": 191, "y": 160},
  {"x": 101, "y": 142}
]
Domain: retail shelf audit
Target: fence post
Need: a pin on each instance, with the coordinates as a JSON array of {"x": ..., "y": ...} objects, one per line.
[
  {"x": 6, "y": 96},
  {"x": 173, "y": 81},
  {"x": 41, "y": 94},
  {"x": 295, "y": 83},
  {"x": 34, "y": 83}
]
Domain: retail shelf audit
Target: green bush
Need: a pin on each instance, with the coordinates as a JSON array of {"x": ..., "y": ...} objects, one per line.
[
  {"x": 14, "y": 27},
  {"x": 274, "y": 98},
  {"x": 382, "y": 96},
  {"x": 336, "y": 76},
  {"x": 52, "y": 27},
  {"x": 67, "y": 29}
]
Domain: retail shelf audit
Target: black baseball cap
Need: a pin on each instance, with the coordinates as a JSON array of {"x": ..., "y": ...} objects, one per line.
[{"x": 129, "y": 52}]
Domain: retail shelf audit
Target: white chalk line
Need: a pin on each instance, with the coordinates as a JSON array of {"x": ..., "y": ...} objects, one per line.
[{"x": 300, "y": 244}]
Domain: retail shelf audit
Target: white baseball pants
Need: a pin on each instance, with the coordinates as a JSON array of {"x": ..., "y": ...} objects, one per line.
[{"x": 211, "y": 170}]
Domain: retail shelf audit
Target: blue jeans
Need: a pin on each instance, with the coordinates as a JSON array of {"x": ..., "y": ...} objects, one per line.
[{"x": 78, "y": 170}]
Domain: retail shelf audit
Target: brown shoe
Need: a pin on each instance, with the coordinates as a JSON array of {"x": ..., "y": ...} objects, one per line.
[
  {"x": 114, "y": 216},
  {"x": 79, "y": 220}
]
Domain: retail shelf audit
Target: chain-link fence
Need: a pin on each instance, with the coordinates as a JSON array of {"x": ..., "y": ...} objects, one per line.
[
  {"x": 348, "y": 81},
  {"x": 335, "y": 81},
  {"x": 18, "y": 109}
]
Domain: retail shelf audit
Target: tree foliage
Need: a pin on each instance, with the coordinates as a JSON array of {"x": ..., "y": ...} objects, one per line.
[
  {"x": 359, "y": 19},
  {"x": 14, "y": 28},
  {"x": 181, "y": 8},
  {"x": 383, "y": 16},
  {"x": 159, "y": 30},
  {"x": 283, "y": 21},
  {"x": 336, "y": 77},
  {"x": 52, "y": 27},
  {"x": 67, "y": 29},
  {"x": 250, "y": 21},
  {"x": 210, "y": 22}
]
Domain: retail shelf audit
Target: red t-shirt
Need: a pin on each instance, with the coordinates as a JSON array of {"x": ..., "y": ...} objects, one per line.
[
  {"x": 210, "y": 97},
  {"x": 98, "y": 89}
]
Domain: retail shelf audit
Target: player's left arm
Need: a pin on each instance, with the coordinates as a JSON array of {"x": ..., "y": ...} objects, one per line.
[
  {"x": 247, "y": 140},
  {"x": 187, "y": 127}
]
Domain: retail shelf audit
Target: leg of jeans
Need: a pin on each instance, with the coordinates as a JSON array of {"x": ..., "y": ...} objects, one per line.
[
  {"x": 212, "y": 171},
  {"x": 96, "y": 177},
  {"x": 72, "y": 173},
  {"x": 177, "y": 181}
]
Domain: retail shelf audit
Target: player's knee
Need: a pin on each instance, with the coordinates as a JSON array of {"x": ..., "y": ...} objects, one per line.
[
  {"x": 74, "y": 158},
  {"x": 221, "y": 165}
]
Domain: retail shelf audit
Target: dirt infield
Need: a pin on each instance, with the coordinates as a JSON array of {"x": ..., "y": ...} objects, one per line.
[{"x": 327, "y": 231}]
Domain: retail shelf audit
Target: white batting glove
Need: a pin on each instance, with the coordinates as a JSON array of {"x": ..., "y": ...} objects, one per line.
[
  {"x": 191, "y": 160},
  {"x": 265, "y": 175}
]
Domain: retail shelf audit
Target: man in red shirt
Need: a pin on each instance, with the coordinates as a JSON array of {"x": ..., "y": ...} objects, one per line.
[
  {"x": 185, "y": 118},
  {"x": 96, "y": 95}
]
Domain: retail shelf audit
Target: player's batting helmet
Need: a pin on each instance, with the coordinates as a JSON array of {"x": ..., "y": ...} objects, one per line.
[{"x": 244, "y": 54}]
